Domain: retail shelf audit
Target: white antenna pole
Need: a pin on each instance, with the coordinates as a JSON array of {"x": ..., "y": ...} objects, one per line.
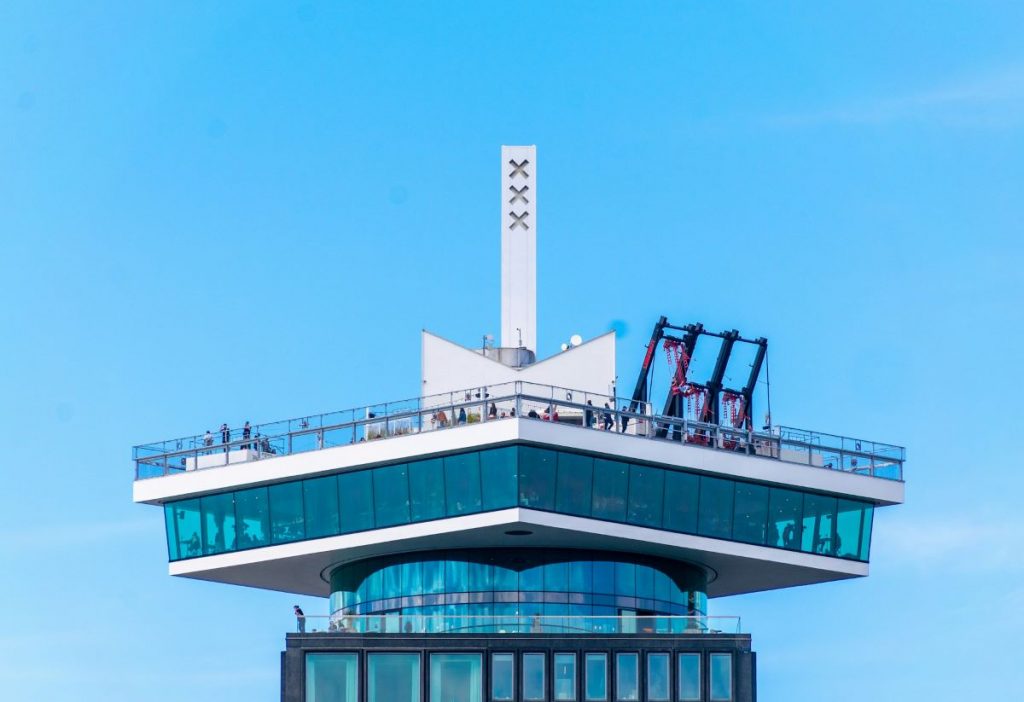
[{"x": 519, "y": 247}]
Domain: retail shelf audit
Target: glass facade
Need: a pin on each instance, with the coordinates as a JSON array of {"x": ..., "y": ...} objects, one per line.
[
  {"x": 533, "y": 677},
  {"x": 565, "y": 677},
  {"x": 456, "y": 677},
  {"x": 627, "y": 677},
  {"x": 503, "y": 677},
  {"x": 332, "y": 677},
  {"x": 721, "y": 677},
  {"x": 393, "y": 677},
  {"x": 688, "y": 677},
  {"x": 596, "y": 683},
  {"x": 500, "y": 588},
  {"x": 526, "y": 476},
  {"x": 659, "y": 677}
]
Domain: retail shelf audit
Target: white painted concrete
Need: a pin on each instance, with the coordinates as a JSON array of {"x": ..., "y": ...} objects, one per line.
[
  {"x": 519, "y": 246},
  {"x": 448, "y": 367},
  {"x": 612, "y": 444}
]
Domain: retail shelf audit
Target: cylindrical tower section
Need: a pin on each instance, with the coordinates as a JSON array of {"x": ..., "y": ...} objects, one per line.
[{"x": 525, "y": 590}]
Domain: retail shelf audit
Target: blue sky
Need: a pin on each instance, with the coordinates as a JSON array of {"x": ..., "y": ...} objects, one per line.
[{"x": 220, "y": 212}]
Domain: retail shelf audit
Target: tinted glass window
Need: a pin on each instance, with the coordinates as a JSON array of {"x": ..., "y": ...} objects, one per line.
[
  {"x": 455, "y": 677},
  {"x": 391, "y": 495},
  {"x": 818, "y": 524},
  {"x": 218, "y": 523},
  {"x": 393, "y": 677},
  {"x": 498, "y": 476},
  {"x": 565, "y": 677},
  {"x": 721, "y": 676},
  {"x": 426, "y": 489},
  {"x": 848, "y": 527},
  {"x": 681, "y": 502},
  {"x": 689, "y": 677},
  {"x": 658, "y": 677},
  {"x": 646, "y": 494},
  {"x": 321, "y": 497},
  {"x": 575, "y": 474},
  {"x": 627, "y": 673},
  {"x": 286, "y": 518},
  {"x": 332, "y": 677},
  {"x": 356, "y": 493},
  {"x": 750, "y": 513},
  {"x": 188, "y": 529},
  {"x": 784, "y": 512},
  {"x": 537, "y": 477},
  {"x": 252, "y": 518},
  {"x": 533, "y": 677},
  {"x": 462, "y": 484},
  {"x": 611, "y": 484},
  {"x": 596, "y": 677},
  {"x": 865, "y": 532},
  {"x": 503, "y": 675},
  {"x": 715, "y": 508}
]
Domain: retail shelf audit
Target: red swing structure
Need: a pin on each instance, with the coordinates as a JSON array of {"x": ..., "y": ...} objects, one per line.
[{"x": 707, "y": 405}]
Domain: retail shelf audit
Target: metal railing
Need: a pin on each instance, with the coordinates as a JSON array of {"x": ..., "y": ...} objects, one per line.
[
  {"x": 398, "y": 623},
  {"x": 591, "y": 411}
]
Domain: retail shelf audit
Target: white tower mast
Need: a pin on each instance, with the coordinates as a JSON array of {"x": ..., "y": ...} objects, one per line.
[{"x": 519, "y": 247}]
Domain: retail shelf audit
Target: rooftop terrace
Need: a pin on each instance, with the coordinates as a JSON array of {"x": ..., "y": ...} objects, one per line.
[{"x": 450, "y": 411}]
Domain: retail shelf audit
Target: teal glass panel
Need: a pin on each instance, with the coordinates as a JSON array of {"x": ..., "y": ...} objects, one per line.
[
  {"x": 355, "y": 493},
  {"x": 321, "y": 500},
  {"x": 252, "y": 517},
  {"x": 537, "y": 477},
  {"x": 750, "y": 514},
  {"x": 627, "y": 677},
  {"x": 689, "y": 677},
  {"x": 462, "y": 483},
  {"x": 286, "y": 518},
  {"x": 556, "y": 577},
  {"x": 659, "y": 677},
  {"x": 456, "y": 677},
  {"x": 390, "y": 495},
  {"x": 574, "y": 483},
  {"x": 564, "y": 677},
  {"x": 625, "y": 579},
  {"x": 720, "y": 667},
  {"x": 433, "y": 577},
  {"x": 596, "y": 674},
  {"x": 332, "y": 677},
  {"x": 426, "y": 489},
  {"x": 393, "y": 677},
  {"x": 218, "y": 523},
  {"x": 681, "y": 490},
  {"x": 848, "y": 528},
  {"x": 503, "y": 677},
  {"x": 173, "y": 546},
  {"x": 646, "y": 495},
  {"x": 785, "y": 509},
  {"x": 865, "y": 532},
  {"x": 579, "y": 576},
  {"x": 611, "y": 484},
  {"x": 498, "y": 477},
  {"x": 715, "y": 518},
  {"x": 604, "y": 577},
  {"x": 533, "y": 677},
  {"x": 188, "y": 528},
  {"x": 818, "y": 523}
]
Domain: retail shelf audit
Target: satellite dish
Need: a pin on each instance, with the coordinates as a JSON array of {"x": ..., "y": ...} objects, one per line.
[
  {"x": 565, "y": 347},
  {"x": 576, "y": 340}
]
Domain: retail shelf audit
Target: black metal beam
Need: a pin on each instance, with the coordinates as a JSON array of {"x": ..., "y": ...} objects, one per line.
[{"x": 714, "y": 384}]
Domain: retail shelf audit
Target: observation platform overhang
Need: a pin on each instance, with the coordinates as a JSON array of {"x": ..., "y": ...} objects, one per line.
[{"x": 733, "y": 568}]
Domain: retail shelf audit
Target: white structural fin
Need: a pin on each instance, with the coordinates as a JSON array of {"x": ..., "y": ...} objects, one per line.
[{"x": 519, "y": 247}]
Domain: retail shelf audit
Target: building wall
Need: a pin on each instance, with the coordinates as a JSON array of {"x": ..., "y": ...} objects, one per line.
[{"x": 744, "y": 684}]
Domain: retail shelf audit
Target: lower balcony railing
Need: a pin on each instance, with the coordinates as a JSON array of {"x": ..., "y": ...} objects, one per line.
[{"x": 396, "y": 623}]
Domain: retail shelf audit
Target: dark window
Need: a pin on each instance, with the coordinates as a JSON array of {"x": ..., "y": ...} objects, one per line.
[
  {"x": 751, "y": 513},
  {"x": 321, "y": 498},
  {"x": 681, "y": 501},
  {"x": 426, "y": 489},
  {"x": 536, "y": 478},
  {"x": 462, "y": 483},
  {"x": 715, "y": 508},
  {"x": 611, "y": 483},
  {"x": 575, "y": 475},
  {"x": 646, "y": 494},
  {"x": 356, "y": 493},
  {"x": 286, "y": 517},
  {"x": 498, "y": 475},
  {"x": 391, "y": 495}
]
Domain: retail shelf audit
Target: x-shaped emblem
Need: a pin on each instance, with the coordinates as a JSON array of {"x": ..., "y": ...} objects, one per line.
[
  {"x": 518, "y": 194},
  {"x": 517, "y": 220},
  {"x": 518, "y": 168}
]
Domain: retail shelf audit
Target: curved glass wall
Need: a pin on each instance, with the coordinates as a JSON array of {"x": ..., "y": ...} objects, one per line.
[
  {"x": 432, "y": 591},
  {"x": 527, "y": 476}
]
